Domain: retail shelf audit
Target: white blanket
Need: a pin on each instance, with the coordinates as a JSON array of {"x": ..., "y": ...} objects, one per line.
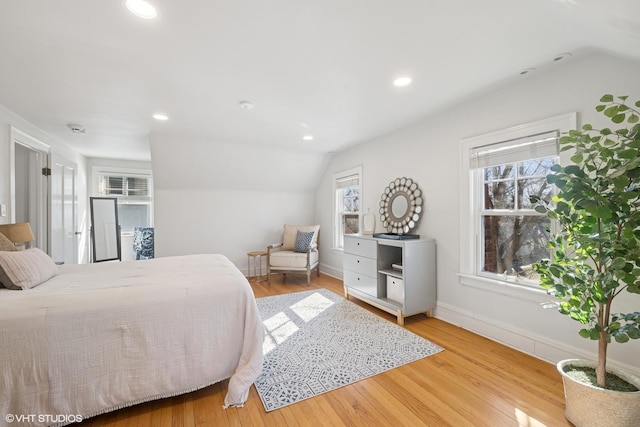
[{"x": 100, "y": 337}]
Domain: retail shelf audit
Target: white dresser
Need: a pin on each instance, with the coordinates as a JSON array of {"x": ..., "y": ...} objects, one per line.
[{"x": 369, "y": 276}]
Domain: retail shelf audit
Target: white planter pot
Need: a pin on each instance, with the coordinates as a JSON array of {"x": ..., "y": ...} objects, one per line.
[{"x": 588, "y": 406}]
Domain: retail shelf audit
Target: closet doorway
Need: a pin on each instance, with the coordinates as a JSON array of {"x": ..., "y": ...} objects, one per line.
[
  {"x": 29, "y": 185},
  {"x": 44, "y": 194}
]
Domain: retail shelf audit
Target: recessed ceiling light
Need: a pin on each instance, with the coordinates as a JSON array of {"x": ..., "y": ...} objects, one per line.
[
  {"x": 402, "y": 81},
  {"x": 562, "y": 56},
  {"x": 161, "y": 117},
  {"x": 527, "y": 71},
  {"x": 308, "y": 137},
  {"x": 142, "y": 9},
  {"x": 246, "y": 105}
]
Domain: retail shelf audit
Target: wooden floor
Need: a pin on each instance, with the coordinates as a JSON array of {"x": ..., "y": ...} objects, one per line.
[{"x": 474, "y": 382}]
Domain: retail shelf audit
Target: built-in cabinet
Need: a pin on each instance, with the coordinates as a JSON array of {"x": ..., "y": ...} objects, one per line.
[{"x": 397, "y": 276}]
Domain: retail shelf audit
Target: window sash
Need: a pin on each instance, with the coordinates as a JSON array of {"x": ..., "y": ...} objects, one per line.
[
  {"x": 342, "y": 213},
  {"x": 345, "y": 208},
  {"x": 494, "y": 155},
  {"x": 522, "y": 277},
  {"x": 344, "y": 226},
  {"x": 516, "y": 187},
  {"x": 484, "y": 254}
]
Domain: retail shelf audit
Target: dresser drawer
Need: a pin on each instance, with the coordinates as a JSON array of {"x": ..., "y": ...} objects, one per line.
[
  {"x": 360, "y": 246},
  {"x": 360, "y": 264},
  {"x": 361, "y": 282}
]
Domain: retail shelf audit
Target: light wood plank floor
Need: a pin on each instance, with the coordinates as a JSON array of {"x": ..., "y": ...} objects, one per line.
[{"x": 474, "y": 382}]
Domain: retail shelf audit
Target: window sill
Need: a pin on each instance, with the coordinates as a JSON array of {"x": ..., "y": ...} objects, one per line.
[{"x": 505, "y": 288}]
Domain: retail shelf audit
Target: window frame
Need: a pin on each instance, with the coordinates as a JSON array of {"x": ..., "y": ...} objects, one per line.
[
  {"x": 470, "y": 228},
  {"x": 338, "y": 236},
  {"x": 97, "y": 171}
]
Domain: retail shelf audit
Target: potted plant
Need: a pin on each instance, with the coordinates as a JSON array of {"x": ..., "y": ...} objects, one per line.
[{"x": 595, "y": 256}]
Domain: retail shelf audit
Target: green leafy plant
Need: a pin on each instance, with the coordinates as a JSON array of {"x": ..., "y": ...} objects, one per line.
[{"x": 596, "y": 244}]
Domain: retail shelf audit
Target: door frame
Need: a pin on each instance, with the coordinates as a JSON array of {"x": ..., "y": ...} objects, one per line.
[{"x": 18, "y": 136}]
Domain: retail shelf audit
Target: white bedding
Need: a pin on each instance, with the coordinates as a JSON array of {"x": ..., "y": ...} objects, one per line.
[{"x": 103, "y": 336}]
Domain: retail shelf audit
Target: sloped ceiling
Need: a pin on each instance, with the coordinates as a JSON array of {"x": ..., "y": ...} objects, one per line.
[{"x": 310, "y": 67}]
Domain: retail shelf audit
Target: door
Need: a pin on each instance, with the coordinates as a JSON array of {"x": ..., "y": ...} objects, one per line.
[{"x": 64, "y": 208}]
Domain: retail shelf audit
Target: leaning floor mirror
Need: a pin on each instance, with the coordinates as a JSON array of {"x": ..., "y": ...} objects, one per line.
[{"x": 105, "y": 229}]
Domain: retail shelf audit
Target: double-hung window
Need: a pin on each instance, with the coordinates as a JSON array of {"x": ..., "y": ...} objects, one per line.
[
  {"x": 502, "y": 235},
  {"x": 134, "y": 191},
  {"x": 347, "y": 205},
  {"x": 511, "y": 235}
]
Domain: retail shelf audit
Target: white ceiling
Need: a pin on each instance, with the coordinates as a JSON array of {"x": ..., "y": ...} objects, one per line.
[{"x": 319, "y": 67}]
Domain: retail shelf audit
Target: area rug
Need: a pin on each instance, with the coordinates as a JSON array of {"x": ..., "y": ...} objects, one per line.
[{"x": 317, "y": 341}]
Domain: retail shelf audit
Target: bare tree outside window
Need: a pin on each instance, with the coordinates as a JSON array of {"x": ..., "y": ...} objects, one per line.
[
  {"x": 514, "y": 235},
  {"x": 351, "y": 209},
  {"x": 347, "y": 205}
]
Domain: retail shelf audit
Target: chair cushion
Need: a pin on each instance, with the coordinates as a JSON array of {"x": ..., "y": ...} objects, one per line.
[
  {"x": 290, "y": 259},
  {"x": 303, "y": 241},
  {"x": 291, "y": 231}
]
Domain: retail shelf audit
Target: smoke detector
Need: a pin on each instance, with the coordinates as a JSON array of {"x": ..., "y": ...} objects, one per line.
[
  {"x": 77, "y": 129},
  {"x": 246, "y": 105}
]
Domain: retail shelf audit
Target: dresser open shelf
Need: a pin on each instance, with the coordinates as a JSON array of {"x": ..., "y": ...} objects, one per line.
[{"x": 368, "y": 275}]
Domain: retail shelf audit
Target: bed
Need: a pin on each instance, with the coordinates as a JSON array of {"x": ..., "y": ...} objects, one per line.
[{"x": 99, "y": 337}]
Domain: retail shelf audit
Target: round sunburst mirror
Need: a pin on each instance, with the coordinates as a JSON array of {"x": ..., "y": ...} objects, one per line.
[{"x": 401, "y": 206}]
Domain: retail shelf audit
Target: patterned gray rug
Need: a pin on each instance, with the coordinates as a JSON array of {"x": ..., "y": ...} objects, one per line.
[{"x": 317, "y": 341}]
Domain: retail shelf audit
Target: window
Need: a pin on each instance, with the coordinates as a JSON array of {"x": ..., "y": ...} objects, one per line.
[
  {"x": 512, "y": 235},
  {"x": 503, "y": 235},
  {"x": 134, "y": 191},
  {"x": 347, "y": 205}
]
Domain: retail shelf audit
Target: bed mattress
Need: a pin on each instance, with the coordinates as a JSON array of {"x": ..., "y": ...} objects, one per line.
[{"x": 99, "y": 337}]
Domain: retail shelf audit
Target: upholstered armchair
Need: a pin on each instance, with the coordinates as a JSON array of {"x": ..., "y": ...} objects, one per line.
[{"x": 297, "y": 252}]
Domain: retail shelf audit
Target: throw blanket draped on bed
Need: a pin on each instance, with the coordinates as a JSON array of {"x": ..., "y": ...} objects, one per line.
[{"x": 103, "y": 336}]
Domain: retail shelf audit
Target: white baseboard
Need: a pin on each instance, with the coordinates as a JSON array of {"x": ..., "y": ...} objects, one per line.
[
  {"x": 534, "y": 345},
  {"x": 331, "y": 271}
]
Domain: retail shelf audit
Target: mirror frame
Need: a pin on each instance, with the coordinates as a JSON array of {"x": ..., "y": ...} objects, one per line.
[
  {"x": 116, "y": 229},
  {"x": 408, "y": 189}
]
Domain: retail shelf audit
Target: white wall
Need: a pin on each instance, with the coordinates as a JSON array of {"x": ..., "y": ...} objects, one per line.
[
  {"x": 428, "y": 152},
  {"x": 9, "y": 118},
  {"x": 225, "y": 221},
  {"x": 216, "y": 197}
]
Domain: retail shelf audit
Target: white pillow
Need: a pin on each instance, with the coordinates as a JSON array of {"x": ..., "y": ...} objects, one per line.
[{"x": 26, "y": 269}]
